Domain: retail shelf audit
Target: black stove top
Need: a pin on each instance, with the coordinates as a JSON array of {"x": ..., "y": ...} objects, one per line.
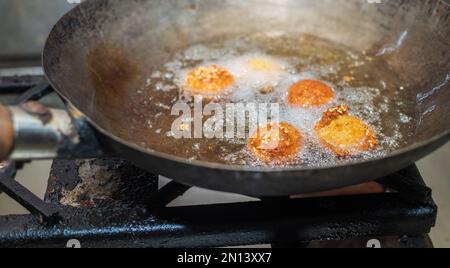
[{"x": 111, "y": 203}]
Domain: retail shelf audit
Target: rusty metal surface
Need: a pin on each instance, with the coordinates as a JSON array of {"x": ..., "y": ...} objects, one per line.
[
  {"x": 111, "y": 203},
  {"x": 93, "y": 183}
]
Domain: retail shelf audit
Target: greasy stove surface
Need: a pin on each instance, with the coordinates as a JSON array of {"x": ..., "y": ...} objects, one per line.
[{"x": 110, "y": 203}]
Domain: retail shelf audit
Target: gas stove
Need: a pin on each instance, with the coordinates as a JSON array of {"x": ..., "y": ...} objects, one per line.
[{"x": 111, "y": 203}]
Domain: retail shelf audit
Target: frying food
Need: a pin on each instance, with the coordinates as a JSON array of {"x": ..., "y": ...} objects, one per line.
[
  {"x": 310, "y": 93},
  {"x": 275, "y": 143},
  {"x": 211, "y": 79},
  {"x": 344, "y": 134},
  {"x": 263, "y": 65}
]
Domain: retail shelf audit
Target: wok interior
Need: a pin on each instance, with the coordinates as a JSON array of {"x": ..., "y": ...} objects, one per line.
[{"x": 123, "y": 41}]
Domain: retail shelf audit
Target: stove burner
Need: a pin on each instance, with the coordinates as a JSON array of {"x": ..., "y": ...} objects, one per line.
[{"x": 111, "y": 203}]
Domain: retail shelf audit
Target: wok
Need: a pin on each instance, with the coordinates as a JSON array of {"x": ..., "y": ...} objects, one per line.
[{"x": 416, "y": 35}]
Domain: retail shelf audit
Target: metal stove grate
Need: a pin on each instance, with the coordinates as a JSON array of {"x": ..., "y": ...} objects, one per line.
[{"x": 111, "y": 203}]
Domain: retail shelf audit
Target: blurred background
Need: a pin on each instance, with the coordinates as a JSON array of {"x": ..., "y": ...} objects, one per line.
[
  {"x": 25, "y": 24},
  {"x": 24, "y": 27}
]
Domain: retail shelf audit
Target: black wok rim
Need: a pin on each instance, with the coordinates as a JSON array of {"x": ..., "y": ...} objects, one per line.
[{"x": 203, "y": 164}]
